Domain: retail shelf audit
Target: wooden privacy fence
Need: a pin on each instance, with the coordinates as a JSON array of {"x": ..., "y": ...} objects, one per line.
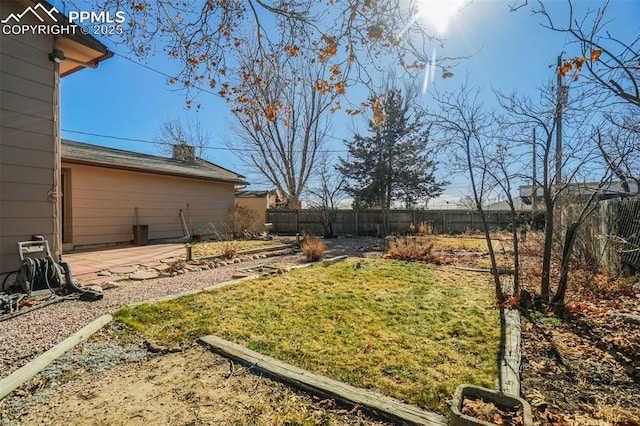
[
  {"x": 611, "y": 235},
  {"x": 369, "y": 222}
]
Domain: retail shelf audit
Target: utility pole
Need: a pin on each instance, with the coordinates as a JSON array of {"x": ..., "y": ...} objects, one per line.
[{"x": 561, "y": 100}]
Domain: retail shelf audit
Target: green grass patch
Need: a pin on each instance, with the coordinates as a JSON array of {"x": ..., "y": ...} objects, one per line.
[
  {"x": 556, "y": 322},
  {"x": 218, "y": 248},
  {"x": 409, "y": 330}
]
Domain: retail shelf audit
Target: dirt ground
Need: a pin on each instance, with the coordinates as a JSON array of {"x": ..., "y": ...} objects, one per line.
[
  {"x": 581, "y": 361},
  {"x": 581, "y": 364},
  {"x": 187, "y": 387}
]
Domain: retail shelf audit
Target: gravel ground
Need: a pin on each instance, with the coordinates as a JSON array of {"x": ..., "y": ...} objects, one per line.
[
  {"x": 97, "y": 357},
  {"x": 109, "y": 382},
  {"x": 25, "y": 337}
]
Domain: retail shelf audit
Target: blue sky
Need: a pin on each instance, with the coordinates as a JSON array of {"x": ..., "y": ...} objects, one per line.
[{"x": 512, "y": 52}]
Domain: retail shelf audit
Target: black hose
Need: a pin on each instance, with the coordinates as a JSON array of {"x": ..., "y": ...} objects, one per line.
[
  {"x": 37, "y": 273},
  {"x": 7, "y": 277},
  {"x": 67, "y": 275},
  {"x": 86, "y": 295},
  {"x": 46, "y": 269}
]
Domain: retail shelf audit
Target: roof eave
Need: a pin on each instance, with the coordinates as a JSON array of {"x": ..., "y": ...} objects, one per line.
[
  {"x": 102, "y": 53},
  {"x": 157, "y": 172},
  {"x": 97, "y": 61}
]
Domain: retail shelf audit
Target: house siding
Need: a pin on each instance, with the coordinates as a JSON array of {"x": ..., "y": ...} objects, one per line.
[
  {"x": 27, "y": 140},
  {"x": 104, "y": 203},
  {"x": 259, "y": 205}
]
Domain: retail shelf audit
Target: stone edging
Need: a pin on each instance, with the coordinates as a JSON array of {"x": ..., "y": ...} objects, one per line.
[
  {"x": 266, "y": 249},
  {"x": 108, "y": 278}
]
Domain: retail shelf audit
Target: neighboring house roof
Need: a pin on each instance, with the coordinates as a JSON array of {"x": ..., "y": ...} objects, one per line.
[
  {"x": 253, "y": 194},
  {"x": 82, "y": 153},
  {"x": 605, "y": 190},
  {"x": 504, "y": 205}
]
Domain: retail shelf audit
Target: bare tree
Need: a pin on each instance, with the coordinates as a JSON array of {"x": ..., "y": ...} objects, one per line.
[
  {"x": 611, "y": 62},
  {"x": 578, "y": 160},
  {"x": 282, "y": 117},
  {"x": 618, "y": 139},
  {"x": 176, "y": 132},
  {"x": 463, "y": 121},
  {"x": 467, "y": 202},
  {"x": 326, "y": 195},
  {"x": 503, "y": 172},
  {"x": 494, "y": 154},
  {"x": 571, "y": 234}
]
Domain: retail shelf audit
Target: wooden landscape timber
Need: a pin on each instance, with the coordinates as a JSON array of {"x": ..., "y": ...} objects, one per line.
[
  {"x": 379, "y": 405},
  {"x": 511, "y": 358}
]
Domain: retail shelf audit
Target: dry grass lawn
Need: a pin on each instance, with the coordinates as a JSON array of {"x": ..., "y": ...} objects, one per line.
[
  {"x": 410, "y": 330},
  {"x": 218, "y": 248}
]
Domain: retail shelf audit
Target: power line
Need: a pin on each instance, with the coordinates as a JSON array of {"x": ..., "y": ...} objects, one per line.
[
  {"x": 122, "y": 138},
  {"x": 112, "y": 137},
  {"x": 200, "y": 88},
  {"x": 162, "y": 73}
]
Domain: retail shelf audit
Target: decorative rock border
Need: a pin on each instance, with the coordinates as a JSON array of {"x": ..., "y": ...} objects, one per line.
[
  {"x": 250, "y": 276},
  {"x": 171, "y": 267},
  {"x": 260, "y": 250}
]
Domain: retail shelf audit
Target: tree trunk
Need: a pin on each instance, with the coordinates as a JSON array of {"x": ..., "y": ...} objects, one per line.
[
  {"x": 569, "y": 239},
  {"x": 516, "y": 254},
  {"x": 293, "y": 202},
  {"x": 492, "y": 256},
  {"x": 548, "y": 245}
]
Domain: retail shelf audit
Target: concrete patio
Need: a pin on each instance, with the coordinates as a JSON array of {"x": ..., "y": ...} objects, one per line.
[{"x": 85, "y": 265}]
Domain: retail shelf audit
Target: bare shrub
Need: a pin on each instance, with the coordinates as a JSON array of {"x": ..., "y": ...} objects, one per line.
[
  {"x": 425, "y": 228},
  {"x": 230, "y": 249},
  {"x": 412, "y": 250},
  {"x": 216, "y": 235},
  {"x": 313, "y": 248},
  {"x": 244, "y": 219}
]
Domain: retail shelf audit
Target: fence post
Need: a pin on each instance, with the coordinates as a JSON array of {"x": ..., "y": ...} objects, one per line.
[{"x": 356, "y": 218}]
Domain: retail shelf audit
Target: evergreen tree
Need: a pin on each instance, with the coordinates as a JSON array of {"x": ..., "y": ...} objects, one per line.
[{"x": 393, "y": 163}]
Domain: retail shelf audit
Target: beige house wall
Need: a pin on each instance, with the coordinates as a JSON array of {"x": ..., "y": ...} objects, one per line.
[
  {"x": 259, "y": 205},
  {"x": 101, "y": 205},
  {"x": 28, "y": 140}
]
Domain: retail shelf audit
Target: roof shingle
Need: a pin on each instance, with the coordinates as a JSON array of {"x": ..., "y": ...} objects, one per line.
[{"x": 83, "y": 153}]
